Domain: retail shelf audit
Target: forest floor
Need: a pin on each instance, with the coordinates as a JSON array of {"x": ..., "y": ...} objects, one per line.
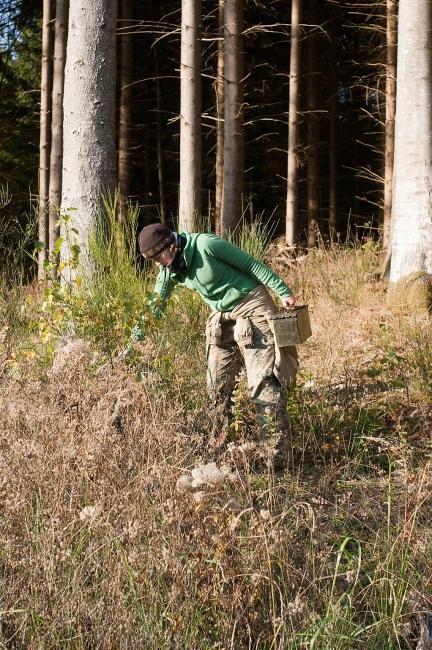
[{"x": 100, "y": 547}]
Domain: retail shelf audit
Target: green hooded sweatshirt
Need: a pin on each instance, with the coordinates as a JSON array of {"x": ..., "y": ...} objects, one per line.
[{"x": 222, "y": 273}]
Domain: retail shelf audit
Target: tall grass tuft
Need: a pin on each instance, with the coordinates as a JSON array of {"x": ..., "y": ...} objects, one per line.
[
  {"x": 254, "y": 238},
  {"x": 17, "y": 236},
  {"x": 113, "y": 249}
]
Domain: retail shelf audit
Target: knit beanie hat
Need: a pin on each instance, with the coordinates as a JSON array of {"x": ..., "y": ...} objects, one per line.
[{"x": 154, "y": 238}]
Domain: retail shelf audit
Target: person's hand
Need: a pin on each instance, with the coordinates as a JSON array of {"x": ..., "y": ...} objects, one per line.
[
  {"x": 137, "y": 333},
  {"x": 288, "y": 302}
]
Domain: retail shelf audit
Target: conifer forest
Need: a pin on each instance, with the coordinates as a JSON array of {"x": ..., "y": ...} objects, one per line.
[{"x": 132, "y": 515}]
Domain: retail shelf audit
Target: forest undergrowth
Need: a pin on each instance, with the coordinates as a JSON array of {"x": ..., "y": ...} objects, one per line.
[{"x": 102, "y": 547}]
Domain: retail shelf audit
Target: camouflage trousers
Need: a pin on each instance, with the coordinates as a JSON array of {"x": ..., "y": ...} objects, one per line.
[{"x": 257, "y": 353}]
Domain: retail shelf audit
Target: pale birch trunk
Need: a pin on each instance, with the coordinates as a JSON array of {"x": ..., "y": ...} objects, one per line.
[
  {"x": 125, "y": 112},
  {"x": 89, "y": 119},
  {"x": 190, "y": 116},
  {"x": 411, "y": 246},
  {"x": 56, "y": 160},
  {"x": 220, "y": 121},
  {"x": 390, "y": 117},
  {"x": 44, "y": 135},
  {"x": 313, "y": 202},
  {"x": 233, "y": 156},
  {"x": 293, "y": 127}
]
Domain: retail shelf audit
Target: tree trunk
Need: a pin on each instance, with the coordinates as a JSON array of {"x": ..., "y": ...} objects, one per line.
[
  {"x": 411, "y": 246},
  {"x": 56, "y": 160},
  {"x": 233, "y": 165},
  {"x": 125, "y": 125},
  {"x": 190, "y": 118},
  {"x": 293, "y": 126},
  {"x": 45, "y": 134},
  {"x": 390, "y": 117},
  {"x": 313, "y": 198},
  {"x": 89, "y": 120},
  {"x": 333, "y": 133},
  {"x": 149, "y": 202},
  {"x": 159, "y": 134},
  {"x": 220, "y": 122}
]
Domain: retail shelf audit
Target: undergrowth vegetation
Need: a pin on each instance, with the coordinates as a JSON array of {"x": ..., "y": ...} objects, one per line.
[{"x": 120, "y": 528}]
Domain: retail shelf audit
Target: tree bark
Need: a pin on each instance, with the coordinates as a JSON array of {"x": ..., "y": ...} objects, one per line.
[
  {"x": 56, "y": 159},
  {"x": 333, "y": 134},
  {"x": 125, "y": 113},
  {"x": 313, "y": 197},
  {"x": 233, "y": 165},
  {"x": 190, "y": 118},
  {"x": 220, "y": 121},
  {"x": 293, "y": 127},
  {"x": 89, "y": 120},
  {"x": 411, "y": 246},
  {"x": 159, "y": 135},
  {"x": 390, "y": 117},
  {"x": 45, "y": 135}
]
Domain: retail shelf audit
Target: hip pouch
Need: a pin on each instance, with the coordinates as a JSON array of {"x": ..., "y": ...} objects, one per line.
[
  {"x": 213, "y": 330},
  {"x": 243, "y": 332}
]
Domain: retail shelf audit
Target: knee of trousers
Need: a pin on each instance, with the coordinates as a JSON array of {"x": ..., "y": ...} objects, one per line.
[
  {"x": 268, "y": 393},
  {"x": 218, "y": 391}
]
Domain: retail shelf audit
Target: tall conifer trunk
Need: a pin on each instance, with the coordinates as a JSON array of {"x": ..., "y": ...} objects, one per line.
[
  {"x": 56, "y": 160},
  {"x": 333, "y": 133},
  {"x": 411, "y": 242},
  {"x": 313, "y": 198},
  {"x": 220, "y": 121},
  {"x": 293, "y": 127},
  {"x": 190, "y": 116},
  {"x": 125, "y": 113},
  {"x": 390, "y": 117},
  {"x": 233, "y": 163},
  {"x": 89, "y": 120},
  {"x": 45, "y": 134},
  {"x": 159, "y": 135}
]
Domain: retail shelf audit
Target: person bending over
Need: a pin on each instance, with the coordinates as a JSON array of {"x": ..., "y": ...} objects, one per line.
[{"x": 235, "y": 286}]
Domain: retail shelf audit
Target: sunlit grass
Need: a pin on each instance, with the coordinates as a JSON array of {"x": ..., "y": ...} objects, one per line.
[{"x": 99, "y": 547}]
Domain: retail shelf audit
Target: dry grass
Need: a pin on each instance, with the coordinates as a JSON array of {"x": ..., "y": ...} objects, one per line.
[{"x": 99, "y": 548}]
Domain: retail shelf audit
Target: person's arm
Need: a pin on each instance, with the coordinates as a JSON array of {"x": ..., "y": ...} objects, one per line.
[
  {"x": 163, "y": 288},
  {"x": 235, "y": 257},
  {"x": 164, "y": 285}
]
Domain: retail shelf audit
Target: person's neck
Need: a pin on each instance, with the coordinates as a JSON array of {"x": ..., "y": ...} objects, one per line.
[{"x": 178, "y": 265}]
